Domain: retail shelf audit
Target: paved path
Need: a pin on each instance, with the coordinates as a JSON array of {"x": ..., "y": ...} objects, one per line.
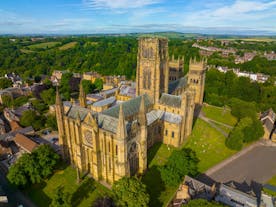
[
  {"x": 254, "y": 163},
  {"x": 211, "y": 122},
  {"x": 15, "y": 197}
]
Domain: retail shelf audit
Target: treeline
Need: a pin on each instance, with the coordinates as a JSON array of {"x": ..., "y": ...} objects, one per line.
[{"x": 220, "y": 88}]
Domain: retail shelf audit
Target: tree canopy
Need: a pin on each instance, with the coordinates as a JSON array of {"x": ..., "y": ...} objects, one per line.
[
  {"x": 180, "y": 163},
  {"x": 32, "y": 168},
  {"x": 130, "y": 192}
]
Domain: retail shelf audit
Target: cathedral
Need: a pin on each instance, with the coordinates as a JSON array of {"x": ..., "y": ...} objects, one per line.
[{"x": 113, "y": 143}]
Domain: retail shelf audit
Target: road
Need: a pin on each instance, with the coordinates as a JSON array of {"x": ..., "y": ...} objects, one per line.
[
  {"x": 15, "y": 197},
  {"x": 255, "y": 163}
]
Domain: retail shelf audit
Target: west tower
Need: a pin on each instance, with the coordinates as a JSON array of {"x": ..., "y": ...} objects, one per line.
[{"x": 152, "y": 72}]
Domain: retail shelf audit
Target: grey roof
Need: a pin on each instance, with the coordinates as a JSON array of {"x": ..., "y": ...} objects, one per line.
[
  {"x": 170, "y": 100},
  {"x": 109, "y": 91},
  {"x": 76, "y": 111},
  {"x": 172, "y": 118},
  {"x": 179, "y": 83},
  {"x": 129, "y": 107},
  {"x": 95, "y": 96},
  {"x": 108, "y": 123},
  {"x": 269, "y": 124},
  {"x": 104, "y": 102},
  {"x": 11, "y": 134},
  {"x": 227, "y": 194},
  {"x": 153, "y": 115},
  {"x": 127, "y": 90}
]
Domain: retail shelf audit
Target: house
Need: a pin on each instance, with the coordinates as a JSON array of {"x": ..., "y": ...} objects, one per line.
[
  {"x": 230, "y": 195},
  {"x": 25, "y": 143},
  {"x": 193, "y": 189},
  {"x": 268, "y": 119}
]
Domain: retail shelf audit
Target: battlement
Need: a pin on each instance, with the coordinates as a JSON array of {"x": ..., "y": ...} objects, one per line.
[{"x": 197, "y": 65}]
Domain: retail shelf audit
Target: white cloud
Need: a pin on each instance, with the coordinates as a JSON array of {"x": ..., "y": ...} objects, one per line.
[
  {"x": 243, "y": 13},
  {"x": 118, "y": 4}
]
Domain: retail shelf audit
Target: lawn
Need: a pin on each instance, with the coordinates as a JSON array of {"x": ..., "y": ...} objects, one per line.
[
  {"x": 43, "y": 45},
  {"x": 219, "y": 114},
  {"x": 68, "y": 46},
  {"x": 208, "y": 144},
  {"x": 83, "y": 194}
]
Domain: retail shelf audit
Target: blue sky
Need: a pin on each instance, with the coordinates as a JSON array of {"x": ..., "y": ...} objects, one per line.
[{"x": 119, "y": 16}]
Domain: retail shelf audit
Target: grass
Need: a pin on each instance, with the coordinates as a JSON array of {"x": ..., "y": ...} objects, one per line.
[
  {"x": 83, "y": 194},
  {"x": 208, "y": 144},
  {"x": 68, "y": 46},
  {"x": 43, "y": 45},
  {"x": 219, "y": 114}
]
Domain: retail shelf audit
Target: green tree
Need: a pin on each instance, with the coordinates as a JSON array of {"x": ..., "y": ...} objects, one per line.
[
  {"x": 61, "y": 198},
  {"x": 236, "y": 136},
  {"x": 254, "y": 131},
  {"x": 5, "y": 83},
  {"x": 180, "y": 163},
  {"x": 20, "y": 101},
  {"x": 32, "y": 168},
  {"x": 130, "y": 192},
  {"x": 46, "y": 159},
  {"x": 65, "y": 88},
  {"x": 30, "y": 118},
  {"x": 98, "y": 83},
  {"x": 88, "y": 87},
  {"x": 51, "y": 122},
  {"x": 17, "y": 175},
  {"x": 48, "y": 96},
  {"x": 7, "y": 101}
]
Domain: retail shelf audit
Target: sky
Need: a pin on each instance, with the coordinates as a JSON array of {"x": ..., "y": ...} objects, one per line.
[{"x": 127, "y": 16}]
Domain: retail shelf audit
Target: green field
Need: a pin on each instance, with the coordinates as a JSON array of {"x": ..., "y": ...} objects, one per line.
[
  {"x": 208, "y": 144},
  {"x": 68, "y": 46},
  {"x": 219, "y": 114},
  {"x": 43, "y": 45},
  {"x": 83, "y": 194}
]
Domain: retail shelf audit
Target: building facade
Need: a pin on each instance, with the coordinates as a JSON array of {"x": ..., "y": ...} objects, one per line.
[{"x": 113, "y": 143}]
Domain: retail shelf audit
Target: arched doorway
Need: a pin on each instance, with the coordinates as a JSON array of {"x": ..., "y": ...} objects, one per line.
[{"x": 133, "y": 158}]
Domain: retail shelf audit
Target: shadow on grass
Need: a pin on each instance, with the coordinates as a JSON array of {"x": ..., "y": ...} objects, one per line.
[
  {"x": 83, "y": 191},
  {"x": 36, "y": 194},
  {"x": 152, "y": 151},
  {"x": 155, "y": 186}
]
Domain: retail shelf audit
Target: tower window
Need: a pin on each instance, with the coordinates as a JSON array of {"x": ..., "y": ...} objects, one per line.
[
  {"x": 172, "y": 134},
  {"x": 116, "y": 150},
  {"x": 166, "y": 132}
]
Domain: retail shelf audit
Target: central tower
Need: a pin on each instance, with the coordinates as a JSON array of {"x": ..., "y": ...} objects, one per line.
[{"x": 152, "y": 74}]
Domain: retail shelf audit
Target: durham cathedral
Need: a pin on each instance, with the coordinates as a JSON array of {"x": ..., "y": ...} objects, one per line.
[{"x": 113, "y": 143}]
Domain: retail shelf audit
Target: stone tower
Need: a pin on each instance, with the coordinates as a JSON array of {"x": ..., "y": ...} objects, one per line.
[
  {"x": 60, "y": 124},
  {"x": 142, "y": 120},
  {"x": 196, "y": 78},
  {"x": 152, "y": 72},
  {"x": 82, "y": 96}
]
